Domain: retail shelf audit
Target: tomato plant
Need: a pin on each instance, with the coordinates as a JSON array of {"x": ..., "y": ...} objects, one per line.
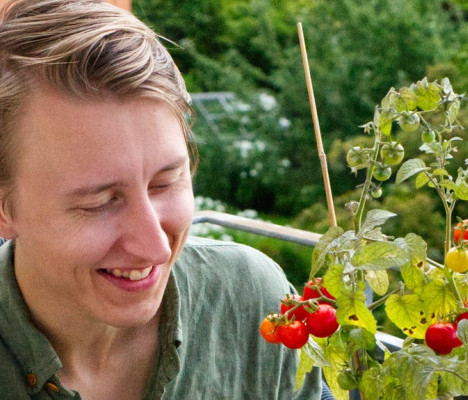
[
  {"x": 442, "y": 337},
  {"x": 427, "y": 301},
  {"x": 322, "y": 322},
  {"x": 293, "y": 334}
]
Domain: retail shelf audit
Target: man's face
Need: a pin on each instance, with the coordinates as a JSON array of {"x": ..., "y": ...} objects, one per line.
[{"x": 102, "y": 205}]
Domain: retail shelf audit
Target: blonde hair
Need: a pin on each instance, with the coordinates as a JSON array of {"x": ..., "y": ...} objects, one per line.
[{"x": 85, "y": 49}]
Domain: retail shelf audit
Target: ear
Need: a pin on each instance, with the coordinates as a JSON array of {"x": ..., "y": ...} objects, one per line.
[{"x": 7, "y": 226}]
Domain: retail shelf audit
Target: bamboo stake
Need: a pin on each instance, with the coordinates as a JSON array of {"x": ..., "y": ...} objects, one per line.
[{"x": 318, "y": 135}]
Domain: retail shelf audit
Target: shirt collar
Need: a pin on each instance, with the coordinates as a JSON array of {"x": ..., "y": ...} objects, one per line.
[{"x": 34, "y": 354}]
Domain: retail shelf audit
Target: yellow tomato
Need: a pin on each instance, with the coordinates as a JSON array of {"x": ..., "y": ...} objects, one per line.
[{"x": 457, "y": 259}]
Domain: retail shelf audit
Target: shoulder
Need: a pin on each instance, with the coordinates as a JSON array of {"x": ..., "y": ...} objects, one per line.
[{"x": 233, "y": 262}]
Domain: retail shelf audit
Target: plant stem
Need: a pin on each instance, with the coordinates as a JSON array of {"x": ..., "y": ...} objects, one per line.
[
  {"x": 367, "y": 183},
  {"x": 382, "y": 300}
]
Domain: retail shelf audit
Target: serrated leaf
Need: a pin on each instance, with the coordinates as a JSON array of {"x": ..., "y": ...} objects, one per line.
[
  {"x": 439, "y": 297},
  {"x": 379, "y": 255},
  {"x": 334, "y": 279},
  {"x": 410, "y": 98},
  {"x": 321, "y": 249},
  {"x": 352, "y": 309},
  {"x": 373, "y": 219},
  {"x": 428, "y": 95},
  {"x": 415, "y": 374},
  {"x": 378, "y": 281},
  {"x": 410, "y": 168},
  {"x": 336, "y": 352},
  {"x": 421, "y": 180},
  {"x": 408, "y": 313},
  {"x": 431, "y": 148}
]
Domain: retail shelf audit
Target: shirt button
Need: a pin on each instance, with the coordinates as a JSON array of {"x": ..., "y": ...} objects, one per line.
[
  {"x": 32, "y": 380},
  {"x": 52, "y": 387}
]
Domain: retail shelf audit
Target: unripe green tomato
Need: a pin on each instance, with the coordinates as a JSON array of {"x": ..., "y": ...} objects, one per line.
[
  {"x": 377, "y": 193},
  {"x": 382, "y": 173},
  {"x": 357, "y": 158},
  {"x": 347, "y": 380},
  {"x": 409, "y": 122},
  {"x": 428, "y": 136},
  {"x": 392, "y": 153}
]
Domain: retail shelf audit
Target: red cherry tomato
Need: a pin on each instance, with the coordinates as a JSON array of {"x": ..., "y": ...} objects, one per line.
[
  {"x": 442, "y": 337},
  {"x": 300, "y": 314},
  {"x": 322, "y": 323},
  {"x": 269, "y": 331},
  {"x": 457, "y": 232},
  {"x": 293, "y": 334},
  {"x": 310, "y": 293}
]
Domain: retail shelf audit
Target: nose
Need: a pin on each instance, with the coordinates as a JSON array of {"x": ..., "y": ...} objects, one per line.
[{"x": 145, "y": 237}]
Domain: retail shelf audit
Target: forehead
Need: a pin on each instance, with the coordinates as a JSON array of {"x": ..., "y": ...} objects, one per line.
[{"x": 58, "y": 134}]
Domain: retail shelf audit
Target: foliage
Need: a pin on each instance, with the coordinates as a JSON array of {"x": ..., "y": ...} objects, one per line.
[
  {"x": 428, "y": 292},
  {"x": 356, "y": 50}
]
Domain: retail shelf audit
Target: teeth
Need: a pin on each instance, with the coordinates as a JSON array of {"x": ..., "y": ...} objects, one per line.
[{"x": 133, "y": 275}]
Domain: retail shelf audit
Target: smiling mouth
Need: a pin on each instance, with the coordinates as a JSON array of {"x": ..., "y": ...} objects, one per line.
[{"x": 130, "y": 274}]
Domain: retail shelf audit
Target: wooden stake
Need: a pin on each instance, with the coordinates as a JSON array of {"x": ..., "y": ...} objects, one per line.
[{"x": 318, "y": 135}]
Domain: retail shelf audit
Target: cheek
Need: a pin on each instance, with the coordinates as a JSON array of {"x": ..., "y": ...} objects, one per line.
[{"x": 176, "y": 214}]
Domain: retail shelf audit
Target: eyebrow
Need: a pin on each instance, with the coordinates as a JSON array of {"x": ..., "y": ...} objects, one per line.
[{"x": 96, "y": 189}]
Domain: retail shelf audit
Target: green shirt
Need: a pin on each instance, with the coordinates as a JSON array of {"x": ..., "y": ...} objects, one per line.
[{"x": 209, "y": 345}]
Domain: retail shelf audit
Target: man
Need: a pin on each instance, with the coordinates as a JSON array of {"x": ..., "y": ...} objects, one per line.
[{"x": 101, "y": 294}]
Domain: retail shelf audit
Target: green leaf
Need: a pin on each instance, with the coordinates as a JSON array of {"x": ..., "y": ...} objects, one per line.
[
  {"x": 305, "y": 366},
  {"x": 334, "y": 279},
  {"x": 421, "y": 180},
  {"x": 428, "y": 95},
  {"x": 379, "y": 255},
  {"x": 408, "y": 313},
  {"x": 410, "y": 168},
  {"x": 416, "y": 247},
  {"x": 415, "y": 372},
  {"x": 461, "y": 191},
  {"x": 321, "y": 249},
  {"x": 462, "y": 331},
  {"x": 316, "y": 353},
  {"x": 410, "y": 98},
  {"x": 412, "y": 276},
  {"x": 352, "y": 309},
  {"x": 452, "y": 111},
  {"x": 371, "y": 384},
  {"x": 378, "y": 281},
  {"x": 439, "y": 297},
  {"x": 448, "y": 184},
  {"x": 461, "y": 281},
  {"x": 362, "y": 338},
  {"x": 385, "y": 123},
  {"x": 373, "y": 219}
]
